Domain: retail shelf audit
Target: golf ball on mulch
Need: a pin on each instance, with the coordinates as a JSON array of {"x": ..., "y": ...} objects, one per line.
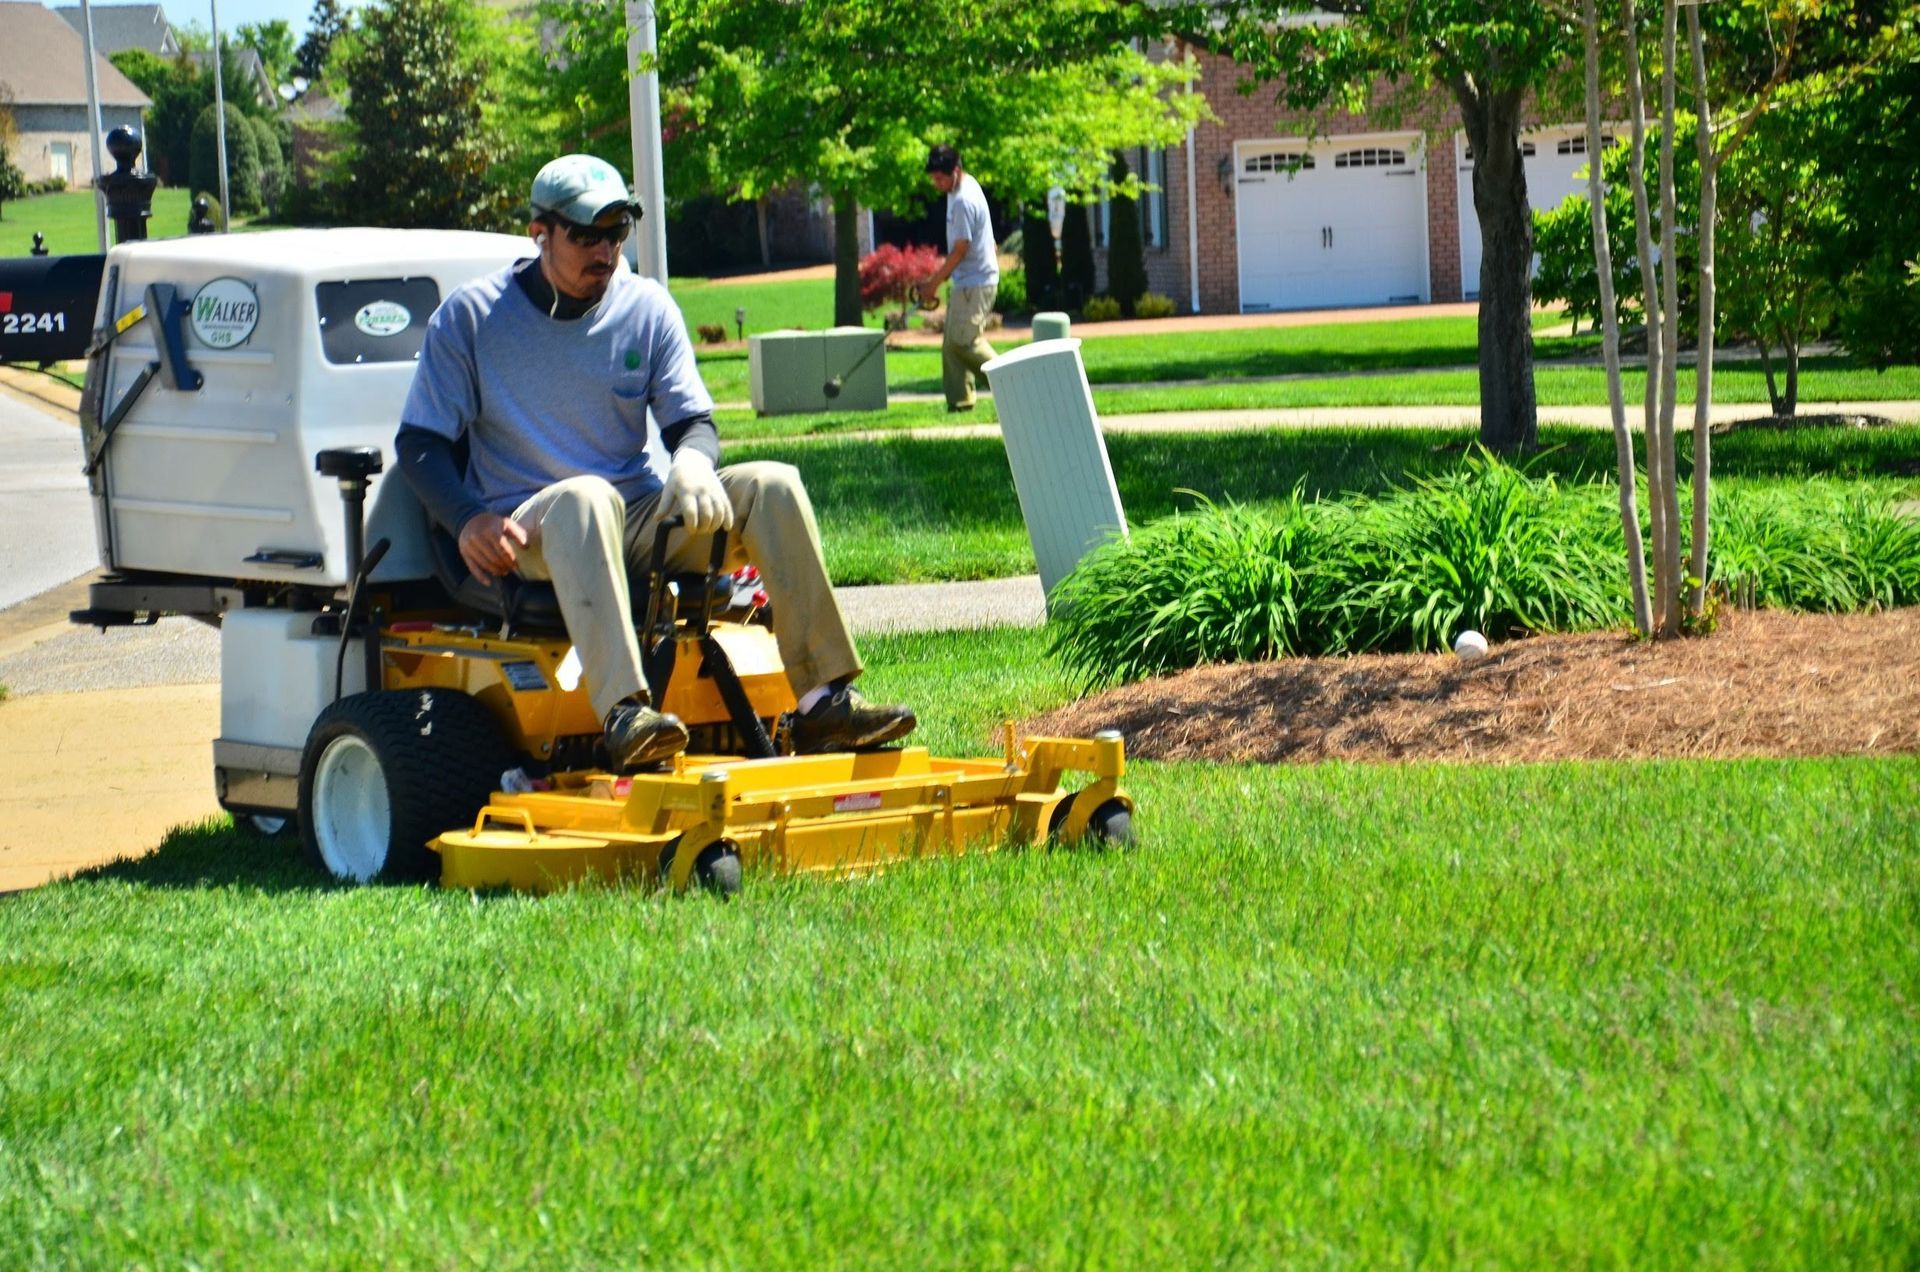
[{"x": 1470, "y": 645}]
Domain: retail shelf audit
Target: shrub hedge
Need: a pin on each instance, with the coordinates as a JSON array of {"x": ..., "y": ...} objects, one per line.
[{"x": 1488, "y": 547}]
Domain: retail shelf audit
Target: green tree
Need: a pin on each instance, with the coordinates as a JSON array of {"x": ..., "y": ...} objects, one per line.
[
  {"x": 273, "y": 162},
  {"x": 1779, "y": 217},
  {"x": 1037, "y": 256},
  {"x": 1126, "y": 246},
  {"x": 1875, "y": 159},
  {"x": 1563, "y": 237},
  {"x": 273, "y": 41},
  {"x": 243, "y": 160},
  {"x": 13, "y": 182},
  {"x": 180, "y": 91},
  {"x": 421, "y": 146},
  {"x": 762, "y": 94},
  {"x": 325, "y": 24},
  {"x": 1491, "y": 57},
  {"x": 1076, "y": 257}
]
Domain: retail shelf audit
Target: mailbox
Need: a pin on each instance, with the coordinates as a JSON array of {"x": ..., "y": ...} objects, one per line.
[{"x": 47, "y": 306}]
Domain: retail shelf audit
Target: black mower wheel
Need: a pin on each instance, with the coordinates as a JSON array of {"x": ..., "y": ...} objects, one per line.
[
  {"x": 1111, "y": 824},
  {"x": 386, "y": 771},
  {"x": 715, "y": 870}
]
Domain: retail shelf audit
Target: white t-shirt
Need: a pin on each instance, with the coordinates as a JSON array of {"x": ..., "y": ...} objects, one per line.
[{"x": 967, "y": 218}]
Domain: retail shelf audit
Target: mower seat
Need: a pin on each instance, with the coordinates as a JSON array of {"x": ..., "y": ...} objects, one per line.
[
  {"x": 530, "y": 605},
  {"x": 520, "y": 604}
]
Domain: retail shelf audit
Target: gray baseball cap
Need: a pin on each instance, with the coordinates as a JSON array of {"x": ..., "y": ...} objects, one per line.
[{"x": 579, "y": 188}]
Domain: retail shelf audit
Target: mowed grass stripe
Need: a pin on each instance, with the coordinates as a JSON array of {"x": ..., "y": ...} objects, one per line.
[
  {"x": 1642, "y": 1013},
  {"x": 1825, "y": 380}
]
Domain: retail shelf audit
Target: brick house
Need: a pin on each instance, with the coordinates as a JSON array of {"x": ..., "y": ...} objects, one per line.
[
  {"x": 1252, "y": 216},
  {"x": 43, "y": 71}
]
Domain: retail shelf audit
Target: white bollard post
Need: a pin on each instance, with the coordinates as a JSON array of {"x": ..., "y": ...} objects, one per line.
[{"x": 1059, "y": 460}]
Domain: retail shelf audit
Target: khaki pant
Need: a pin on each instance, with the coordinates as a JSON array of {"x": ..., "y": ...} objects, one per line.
[
  {"x": 584, "y": 538},
  {"x": 965, "y": 349}
]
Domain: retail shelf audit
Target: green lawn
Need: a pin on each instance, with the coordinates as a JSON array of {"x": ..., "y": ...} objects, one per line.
[
  {"x": 770, "y": 306},
  {"x": 1413, "y": 341},
  {"x": 1829, "y": 379},
  {"x": 1584, "y": 1014},
  {"x": 67, "y": 221},
  {"x": 914, "y": 509}
]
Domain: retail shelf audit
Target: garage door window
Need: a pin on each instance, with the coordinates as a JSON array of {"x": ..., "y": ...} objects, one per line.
[
  {"x": 1279, "y": 161},
  {"x": 1370, "y": 157},
  {"x": 1577, "y": 144}
]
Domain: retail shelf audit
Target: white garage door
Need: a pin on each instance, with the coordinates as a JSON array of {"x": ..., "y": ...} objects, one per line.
[
  {"x": 1555, "y": 157},
  {"x": 1339, "y": 223}
]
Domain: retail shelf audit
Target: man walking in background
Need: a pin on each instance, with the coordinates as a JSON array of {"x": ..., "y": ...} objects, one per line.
[{"x": 973, "y": 264}]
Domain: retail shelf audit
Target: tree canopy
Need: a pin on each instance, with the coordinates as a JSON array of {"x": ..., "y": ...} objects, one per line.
[
  {"x": 846, "y": 96},
  {"x": 422, "y": 147}
]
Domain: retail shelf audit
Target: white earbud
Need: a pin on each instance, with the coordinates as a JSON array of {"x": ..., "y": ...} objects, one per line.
[{"x": 541, "y": 241}]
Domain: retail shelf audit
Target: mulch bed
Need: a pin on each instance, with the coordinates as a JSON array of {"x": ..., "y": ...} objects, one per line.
[{"x": 1764, "y": 683}]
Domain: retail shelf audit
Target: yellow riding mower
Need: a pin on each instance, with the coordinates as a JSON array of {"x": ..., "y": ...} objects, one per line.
[{"x": 407, "y": 720}]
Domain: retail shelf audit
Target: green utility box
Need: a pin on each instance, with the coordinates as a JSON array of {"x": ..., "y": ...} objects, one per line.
[
  {"x": 1052, "y": 325},
  {"x": 840, "y": 369}
]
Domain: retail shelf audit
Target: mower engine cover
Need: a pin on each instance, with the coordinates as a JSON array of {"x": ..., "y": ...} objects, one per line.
[{"x": 304, "y": 340}]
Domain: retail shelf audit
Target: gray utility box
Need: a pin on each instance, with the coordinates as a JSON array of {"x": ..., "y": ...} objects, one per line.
[
  {"x": 1059, "y": 460},
  {"x": 840, "y": 369}
]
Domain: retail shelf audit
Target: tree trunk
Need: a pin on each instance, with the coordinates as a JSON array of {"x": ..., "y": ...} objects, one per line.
[
  {"x": 846, "y": 260},
  {"x": 1773, "y": 387},
  {"x": 1659, "y": 474},
  {"x": 1610, "y": 337},
  {"x": 766, "y": 239},
  {"x": 1669, "y": 614},
  {"x": 1509, "y": 414},
  {"x": 1703, "y": 363},
  {"x": 1792, "y": 403}
]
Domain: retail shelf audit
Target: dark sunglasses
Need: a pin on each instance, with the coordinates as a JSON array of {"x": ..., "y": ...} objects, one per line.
[{"x": 595, "y": 235}]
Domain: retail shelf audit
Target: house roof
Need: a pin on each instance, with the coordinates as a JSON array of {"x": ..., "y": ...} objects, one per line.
[
  {"x": 246, "y": 60},
  {"x": 43, "y": 63},
  {"x": 117, "y": 27}
]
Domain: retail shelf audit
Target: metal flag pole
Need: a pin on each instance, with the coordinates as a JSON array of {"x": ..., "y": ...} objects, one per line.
[
  {"x": 643, "y": 107},
  {"x": 93, "y": 119},
  {"x": 220, "y": 122}
]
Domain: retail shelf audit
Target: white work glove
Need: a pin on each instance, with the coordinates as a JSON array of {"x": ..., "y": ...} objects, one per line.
[{"x": 693, "y": 493}]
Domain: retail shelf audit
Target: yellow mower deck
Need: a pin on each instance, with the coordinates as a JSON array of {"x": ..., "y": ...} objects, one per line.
[{"x": 841, "y": 813}]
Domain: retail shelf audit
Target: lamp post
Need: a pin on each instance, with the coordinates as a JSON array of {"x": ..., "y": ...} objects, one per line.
[{"x": 643, "y": 110}]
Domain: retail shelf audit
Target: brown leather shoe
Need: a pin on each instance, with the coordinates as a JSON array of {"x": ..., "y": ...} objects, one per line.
[
  {"x": 845, "y": 721},
  {"x": 637, "y": 734}
]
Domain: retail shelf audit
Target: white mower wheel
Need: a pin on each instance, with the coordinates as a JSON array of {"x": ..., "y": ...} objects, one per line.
[
  {"x": 264, "y": 825},
  {"x": 385, "y": 772}
]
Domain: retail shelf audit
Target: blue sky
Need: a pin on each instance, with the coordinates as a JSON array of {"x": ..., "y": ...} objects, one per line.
[{"x": 236, "y": 13}]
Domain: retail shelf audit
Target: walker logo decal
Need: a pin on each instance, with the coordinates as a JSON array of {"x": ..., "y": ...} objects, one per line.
[
  {"x": 383, "y": 318},
  {"x": 863, "y": 802},
  {"x": 224, "y": 313}
]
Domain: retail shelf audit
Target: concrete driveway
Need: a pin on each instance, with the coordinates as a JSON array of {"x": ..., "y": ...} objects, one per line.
[{"x": 48, "y": 536}]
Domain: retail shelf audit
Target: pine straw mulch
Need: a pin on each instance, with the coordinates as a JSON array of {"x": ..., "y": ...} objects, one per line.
[{"x": 1765, "y": 683}]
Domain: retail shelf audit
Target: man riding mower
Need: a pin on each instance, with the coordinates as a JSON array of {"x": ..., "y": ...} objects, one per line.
[{"x": 488, "y": 702}]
